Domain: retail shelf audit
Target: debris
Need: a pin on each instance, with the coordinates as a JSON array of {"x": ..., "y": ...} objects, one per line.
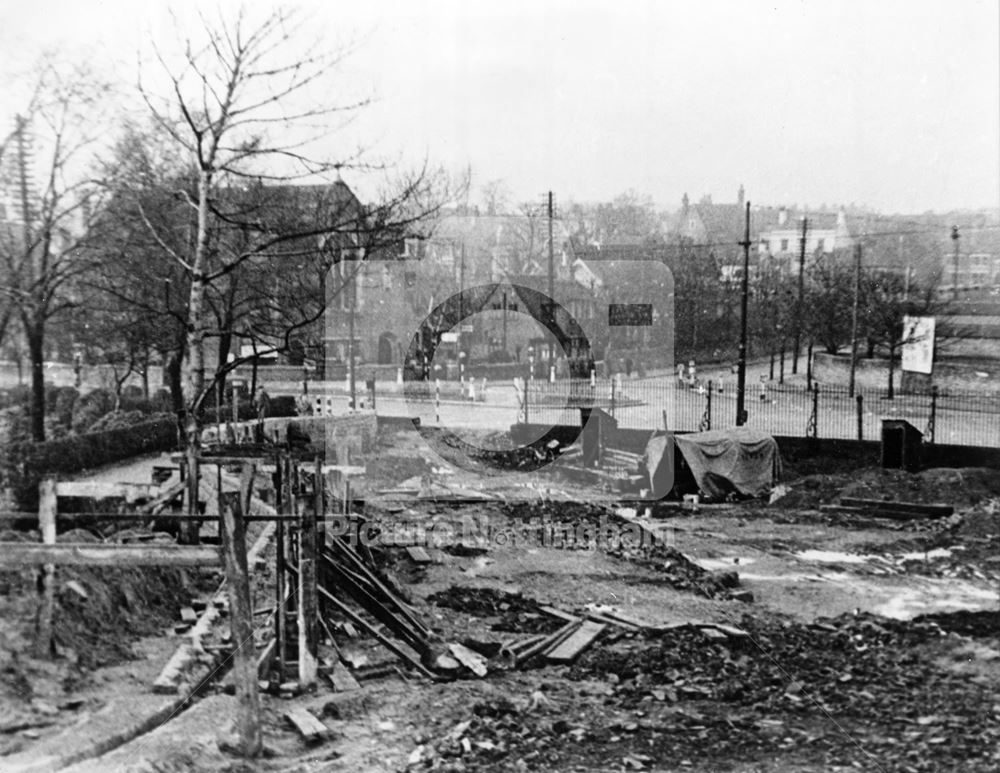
[
  {"x": 77, "y": 588},
  {"x": 418, "y": 554},
  {"x": 188, "y": 615},
  {"x": 308, "y": 726},
  {"x": 473, "y": 661},
  {"x": 778, "y": 493}
]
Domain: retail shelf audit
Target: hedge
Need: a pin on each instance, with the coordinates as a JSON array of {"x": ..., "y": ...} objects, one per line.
[{"x": 23, "y": 465}]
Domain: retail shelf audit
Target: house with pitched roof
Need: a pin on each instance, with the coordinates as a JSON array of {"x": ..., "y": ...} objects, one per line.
[{"x": 779, "y": 234}]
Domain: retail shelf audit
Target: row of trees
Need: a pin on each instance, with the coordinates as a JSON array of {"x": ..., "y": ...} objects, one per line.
[
  {"x": 213, "y": 214},
  {"x": 833, "y": 287}
]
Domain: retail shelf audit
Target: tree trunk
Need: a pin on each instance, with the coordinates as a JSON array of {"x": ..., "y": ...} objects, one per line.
[
  {"x": 195, "y": 315},
  {"x": 225, "y": 344},
  {"x": 36, "y": 353},
  {"x": 172, "y": 370},
  {"x": 892, "y": 363},
  {"x": 145, "y": 373}
]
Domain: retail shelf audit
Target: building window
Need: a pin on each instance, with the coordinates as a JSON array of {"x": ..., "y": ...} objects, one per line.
[
  {"x": 784, "y": 245},
  {"x": 765, "y": 245},
  {"x": 821, "y": 244}
]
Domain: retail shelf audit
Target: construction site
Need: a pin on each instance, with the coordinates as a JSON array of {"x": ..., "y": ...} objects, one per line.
[{"x": 360, "y": 592}]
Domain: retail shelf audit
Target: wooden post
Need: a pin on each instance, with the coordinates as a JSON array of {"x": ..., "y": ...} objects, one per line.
[
  {"x": 233, "y": 538},
  {"x": 281, "y": 499},
  {"x": 46, "y": 577},
  {"x": 189, "y": 529},
  {"x": 308, "y": 593}
]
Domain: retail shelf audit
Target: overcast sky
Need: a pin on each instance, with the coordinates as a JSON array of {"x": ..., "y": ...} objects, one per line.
[{"x": 894, "y": 104}]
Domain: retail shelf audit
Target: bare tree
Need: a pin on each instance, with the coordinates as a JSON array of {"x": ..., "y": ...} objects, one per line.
[
  {"x": 47, "y": 166},
  {"x": 240, "y": 104},
  {"x": 496, "y": 197}
]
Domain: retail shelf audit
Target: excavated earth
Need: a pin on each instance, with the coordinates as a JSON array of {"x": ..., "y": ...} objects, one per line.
[{"x": 863, "y": 644}]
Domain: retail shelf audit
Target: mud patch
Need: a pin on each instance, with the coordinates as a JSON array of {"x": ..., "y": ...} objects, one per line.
[{"x": 516, "y": 613}]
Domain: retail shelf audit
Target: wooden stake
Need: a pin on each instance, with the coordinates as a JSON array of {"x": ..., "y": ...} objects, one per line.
[
  {"x": 308, "y": 593},
  {"x": 46, "y": 579},
  {"x": 281, "y": 500},
  {"x": 233, "y": 537}
]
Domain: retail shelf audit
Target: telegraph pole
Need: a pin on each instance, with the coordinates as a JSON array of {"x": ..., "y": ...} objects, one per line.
[
  {"x": 954, "y": 269},
  {"x": 800, "y": 308},
  {"x": 741, "y": 375},
  {"x": 352, "y": 298},
  {"x": 552, "y": 290},
  {"x": 461, "y": 302},
  {"x": 854, "y": 315}
]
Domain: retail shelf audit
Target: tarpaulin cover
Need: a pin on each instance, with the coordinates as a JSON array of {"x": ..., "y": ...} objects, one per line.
[
  {"x": 727, "y": 460},
  {"x": 659, "y": 460}
]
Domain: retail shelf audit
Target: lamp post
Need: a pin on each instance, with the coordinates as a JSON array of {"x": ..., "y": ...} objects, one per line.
[{"x": 531, "y": 363}]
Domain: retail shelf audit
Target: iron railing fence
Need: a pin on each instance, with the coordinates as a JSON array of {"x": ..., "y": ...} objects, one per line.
[{"x": 824, "y": 411}]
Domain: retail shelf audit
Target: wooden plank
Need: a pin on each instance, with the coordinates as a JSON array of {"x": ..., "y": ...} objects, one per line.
[
  {"x": 309, "y": 727},
  {"x": 130, "y": 492},
  {"x": 917, "y": 508},
  {"x": 163, "y": 499},
  {"x": 580, "y": 639},
  {"x": 234, "y": 550},
  {"x": 264, "y": 659},
  {"x": 714, "y": 634},
  {"x": 568, "y": 617},
  {"x": 384, "y": 640},
  {"x": 473, "y": 661},
  {"x": 526, "y": 653},
  {"x": 47, "y": 502},
  {"x": 15, "y": 555},
  {"x": 342, "y": 679},
  {"x": 418, "y": 555}
]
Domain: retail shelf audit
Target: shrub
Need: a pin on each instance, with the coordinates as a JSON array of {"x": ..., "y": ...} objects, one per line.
[
  {"x": 14, "y": 396},
  {"x": 90, "y": 407},
  {"x": 60, "y": 404},
  {"x": 124, "y": 419}
]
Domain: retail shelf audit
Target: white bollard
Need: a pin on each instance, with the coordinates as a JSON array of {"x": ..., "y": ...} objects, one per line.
[
  {"x": 399, "y": 375},
  {"x": 552, "y": 374},
  {"x": 593, "y": 377}
]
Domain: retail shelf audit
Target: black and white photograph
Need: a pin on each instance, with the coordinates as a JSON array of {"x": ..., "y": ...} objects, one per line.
[{"x": 499, "y": 385}]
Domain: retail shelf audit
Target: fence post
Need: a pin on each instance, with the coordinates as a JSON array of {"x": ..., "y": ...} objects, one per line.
[
  {"x": 932, "y": 421},
  {"x": 46, "y": 574},
  {"x": 706, "y": 419},
  {"x": 812, "y": 428},
  {"x": 861, "y": 412}
]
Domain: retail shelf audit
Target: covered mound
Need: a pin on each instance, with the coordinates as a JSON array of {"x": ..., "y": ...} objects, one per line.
[{"x": 738, "y": 460}]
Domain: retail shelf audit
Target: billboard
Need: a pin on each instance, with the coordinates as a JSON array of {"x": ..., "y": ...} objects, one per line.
[{"x": 918, "y": 344}]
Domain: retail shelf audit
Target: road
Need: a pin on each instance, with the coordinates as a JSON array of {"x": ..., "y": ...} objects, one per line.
[{"x": 644, "y": 403}]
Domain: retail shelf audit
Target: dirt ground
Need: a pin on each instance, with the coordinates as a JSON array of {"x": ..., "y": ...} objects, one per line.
[{"x": 868, "y": 644}]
